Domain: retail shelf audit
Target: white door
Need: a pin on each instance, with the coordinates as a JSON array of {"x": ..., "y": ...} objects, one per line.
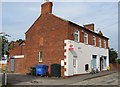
[{"x": 75, "y": 65}]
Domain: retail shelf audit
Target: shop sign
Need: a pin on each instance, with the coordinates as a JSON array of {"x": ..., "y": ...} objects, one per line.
[{"x": 71, "y": 46}]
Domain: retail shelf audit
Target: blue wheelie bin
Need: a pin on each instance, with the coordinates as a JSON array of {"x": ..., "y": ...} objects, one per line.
[{"x": 41, "y": 69}]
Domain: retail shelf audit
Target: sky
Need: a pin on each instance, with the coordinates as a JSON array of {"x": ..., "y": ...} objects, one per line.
[{"x": 17, "y": 17}]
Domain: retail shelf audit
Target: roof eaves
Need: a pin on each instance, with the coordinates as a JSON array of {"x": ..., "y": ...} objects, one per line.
[{"x": 87, "y": 29}]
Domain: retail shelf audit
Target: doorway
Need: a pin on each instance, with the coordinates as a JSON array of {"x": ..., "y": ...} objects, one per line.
[
  {"x": 75, "y": 65},
  {"x": 11, "y": 65},
  {"x": 101, "y": 64}
]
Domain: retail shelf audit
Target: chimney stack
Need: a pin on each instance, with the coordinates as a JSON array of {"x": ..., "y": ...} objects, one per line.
[
  {"x": 46, "y": 7},
  {"x": 100, "y": 33},
  {"x": 89, "y": 27}
]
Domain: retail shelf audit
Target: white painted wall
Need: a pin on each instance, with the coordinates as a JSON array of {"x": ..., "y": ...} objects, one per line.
[{"x": 84, "y": 56}]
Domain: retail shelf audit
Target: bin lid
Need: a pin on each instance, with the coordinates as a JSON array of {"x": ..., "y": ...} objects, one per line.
[{"x": 41, "y": 65}]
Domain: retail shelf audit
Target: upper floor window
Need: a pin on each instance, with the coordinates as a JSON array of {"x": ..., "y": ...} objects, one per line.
[
  {"x": 99, "y": 42},
  {"x": 104, "y": 43},
  {"x": 94, "y": 40},
  {"x": 85, "y": 38},
  {"x": 76, "y": 36}
]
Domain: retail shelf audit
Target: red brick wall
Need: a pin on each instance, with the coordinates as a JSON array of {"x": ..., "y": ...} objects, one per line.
[
  {"x": 89, "y": 27},
  {"x": 72, "y": 28},
  {"x": 114, "y": 66},
  {"x": 18, "y": 65},
  {"x": 46, "y": 35},
  {"x": 46, "y": 8},
  {"x": 17, "y": 50}
]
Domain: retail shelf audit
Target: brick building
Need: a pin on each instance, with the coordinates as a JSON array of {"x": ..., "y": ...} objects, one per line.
[
  {"x": 16, "y": 60},
  {"x": 53, "y": 40}
]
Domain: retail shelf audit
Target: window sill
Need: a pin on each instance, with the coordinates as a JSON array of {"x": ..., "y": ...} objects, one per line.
[{"x": 40, "y": 61}]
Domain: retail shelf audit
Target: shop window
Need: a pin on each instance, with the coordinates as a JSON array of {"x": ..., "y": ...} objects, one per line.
[{"x": 86, "y": 67}]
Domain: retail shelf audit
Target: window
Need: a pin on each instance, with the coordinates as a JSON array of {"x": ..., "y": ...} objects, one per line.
[
  {"x": 104, "y": 44},
  {"x": 99, "y": 42},
  {"x": 94, "y": 61},
  {"x": 76, "y": 36},
  {"x": 94, "y": 40},
  {"x": 85, "y": 38},
  {"x": 40, "y": 56}
]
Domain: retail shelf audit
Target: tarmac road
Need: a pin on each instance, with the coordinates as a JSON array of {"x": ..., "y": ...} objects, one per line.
[
  {"x": 103, "y": 78},
  {"x": 111, "y": 79}
]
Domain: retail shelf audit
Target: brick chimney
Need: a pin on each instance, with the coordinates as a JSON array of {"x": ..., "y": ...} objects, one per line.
[
  {"x": 100, "y": 33},
  {"x": 46, "y": 7},
  {"x": 89, "y": 27}
]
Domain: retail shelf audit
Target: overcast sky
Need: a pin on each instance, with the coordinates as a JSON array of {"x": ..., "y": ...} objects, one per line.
[{"x": 17, "y": 17}]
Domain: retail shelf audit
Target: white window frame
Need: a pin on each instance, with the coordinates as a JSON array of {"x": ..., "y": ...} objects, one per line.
[
  {"x": 94, "y": 40},
  {"x": 104, "y": 43},
  {"x": 76, "y": 32},
  {"x": 85, "y": 36},
  {"x": 40, "y": 58},
  {"x": 100, "y": 44}
]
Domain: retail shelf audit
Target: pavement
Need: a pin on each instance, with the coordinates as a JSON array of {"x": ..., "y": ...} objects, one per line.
[{"x": 19, "y": 79}]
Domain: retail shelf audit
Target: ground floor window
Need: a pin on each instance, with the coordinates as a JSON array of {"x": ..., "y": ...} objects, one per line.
[
  {"x": 40, "y": 56},
  {"x": 94, "y": 58}
]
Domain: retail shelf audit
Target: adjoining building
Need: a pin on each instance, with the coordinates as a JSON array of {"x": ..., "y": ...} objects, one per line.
[{"x": 53, "y": 40}]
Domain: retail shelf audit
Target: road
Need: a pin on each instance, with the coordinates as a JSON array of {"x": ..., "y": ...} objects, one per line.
[
  {"x": 111, "y": 79},
  {"x": 18, "y": 79}
]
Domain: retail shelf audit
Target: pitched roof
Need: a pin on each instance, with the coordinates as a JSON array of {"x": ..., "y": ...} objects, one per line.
[{"x": 70, "y": 22}]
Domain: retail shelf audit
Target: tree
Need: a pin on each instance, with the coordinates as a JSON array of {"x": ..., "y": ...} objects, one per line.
[
  {"x": 3, "y": 45},
  {"x": 112, "y": 55}
]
